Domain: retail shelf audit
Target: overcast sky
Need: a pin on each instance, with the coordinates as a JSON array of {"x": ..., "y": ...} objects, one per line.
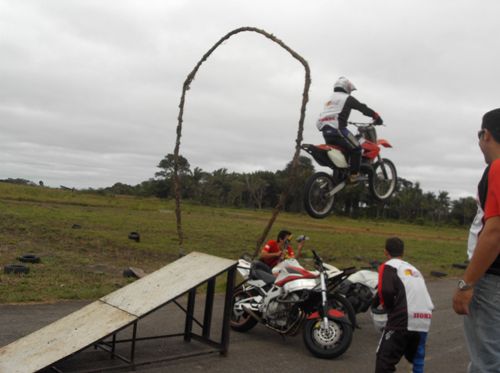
[{"x": 89, "y": 90}]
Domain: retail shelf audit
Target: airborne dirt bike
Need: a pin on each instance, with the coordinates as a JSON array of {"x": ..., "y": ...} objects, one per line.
[
  {"x": 295, "y": 299},
  {"x": 380, "y": 173}
]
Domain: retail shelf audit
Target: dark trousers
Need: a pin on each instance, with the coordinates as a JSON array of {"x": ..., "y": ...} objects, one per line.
[
  {"x": 260, "y": 270},
  {"x": 394, "y": 344},
  {"x": 346, "y": 140}
]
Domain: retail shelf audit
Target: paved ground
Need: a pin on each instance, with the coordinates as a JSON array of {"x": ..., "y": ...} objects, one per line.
[{"x": 259, "y": 350}]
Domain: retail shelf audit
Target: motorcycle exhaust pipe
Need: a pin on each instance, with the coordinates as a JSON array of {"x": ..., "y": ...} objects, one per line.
[{"x": 253, "y": 314}]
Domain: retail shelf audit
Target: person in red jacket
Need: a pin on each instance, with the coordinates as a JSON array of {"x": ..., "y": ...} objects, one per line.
[
  {"x": 273, "y": 252},
  {"x": 402, "y": 291},
  {"x": 276, "y": 250}
]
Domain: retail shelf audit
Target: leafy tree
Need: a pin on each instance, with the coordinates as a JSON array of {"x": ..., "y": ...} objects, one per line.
[
  {"x": 256, "y": 188},
  {"x": 305, "y": 169},
  {"x": 167, "y": 165},
  {"x": 463, "y": 210}
]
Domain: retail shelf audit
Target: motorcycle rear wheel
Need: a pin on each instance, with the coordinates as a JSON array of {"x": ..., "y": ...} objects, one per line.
[
  {"x": 241, "y": 322},
  {"x": 384, "y": 179},
  {"x": 316, "y": 201},
  {"x": 329, "y": 343}
]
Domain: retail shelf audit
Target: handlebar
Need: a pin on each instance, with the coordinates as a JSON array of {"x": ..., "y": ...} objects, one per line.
[
  {"x": 364, "y": 124},
  {"x": 317, "y": 260}
]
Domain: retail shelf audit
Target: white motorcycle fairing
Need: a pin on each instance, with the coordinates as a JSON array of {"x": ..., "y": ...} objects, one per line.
[{"x": 337, "y": 158}]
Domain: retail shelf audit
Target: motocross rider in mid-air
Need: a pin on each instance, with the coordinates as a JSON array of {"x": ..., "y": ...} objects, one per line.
[{"x": 332, "y": 123}]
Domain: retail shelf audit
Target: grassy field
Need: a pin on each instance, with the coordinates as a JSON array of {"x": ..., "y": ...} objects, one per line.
[{"x": 88, "y": 262}]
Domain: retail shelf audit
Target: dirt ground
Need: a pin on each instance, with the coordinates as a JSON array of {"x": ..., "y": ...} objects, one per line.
[{"x": 259, "y": 350}]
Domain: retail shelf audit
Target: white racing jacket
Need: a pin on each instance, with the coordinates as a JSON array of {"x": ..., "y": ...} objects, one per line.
[
  {"x": 337, "y": 110},
  {"x": 403, "y": 292}
]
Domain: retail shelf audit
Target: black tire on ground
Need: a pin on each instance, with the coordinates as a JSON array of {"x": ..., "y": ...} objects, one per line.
[
  {"x": 330, "y": 343},
  {"x": 135, "y": 236},
  {"x": 384, "y": 179},
  {"x": 340, "y": 302},
  {"x": 29, "y": 258},
  {"x": 16, "y": 268},
  {"x": 244, "y": 322},
  {"x": 317, "y": 204},
  {"x": 127, "y": 272}
]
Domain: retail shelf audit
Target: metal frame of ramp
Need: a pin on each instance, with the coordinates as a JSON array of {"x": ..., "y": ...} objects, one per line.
[{"x": 105, "y": 318}]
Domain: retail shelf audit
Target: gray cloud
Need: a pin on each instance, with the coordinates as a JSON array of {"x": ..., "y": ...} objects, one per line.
[{"x": 89, "y": 90}]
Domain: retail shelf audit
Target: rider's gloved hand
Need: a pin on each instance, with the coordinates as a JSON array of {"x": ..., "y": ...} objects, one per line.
[{"x": 378, "y": 120}]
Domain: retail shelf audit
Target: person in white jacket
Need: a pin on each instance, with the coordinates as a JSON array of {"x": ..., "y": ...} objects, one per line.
[
  {"x": 402, "y": 291},
  {"x": 333, "y": 119}
]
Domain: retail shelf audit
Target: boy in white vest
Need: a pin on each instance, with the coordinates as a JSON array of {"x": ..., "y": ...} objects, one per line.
[{"x": 402, "y": 291}]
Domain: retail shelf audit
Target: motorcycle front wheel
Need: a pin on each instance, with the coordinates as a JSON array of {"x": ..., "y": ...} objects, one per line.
[
  {"x": 317, "y": 202},
  {"x": 240, "y": 320},
  {"x": 341, "y": 303},
  {"x": 384, "y": 179},
  {"x": 327, "y": 343}
]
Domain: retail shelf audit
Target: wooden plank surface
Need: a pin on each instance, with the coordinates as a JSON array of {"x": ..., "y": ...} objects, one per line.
[
  {"x": 109, "y": 314},
  {"x": 62, "y": 338},
  {"x": 166, "y": 284}
]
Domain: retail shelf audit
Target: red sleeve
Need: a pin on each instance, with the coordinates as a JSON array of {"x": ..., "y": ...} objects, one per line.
[
  {"x": 291, "y": 254},
  {"x": 492, "y": 205},
  {"x": 380, "y": 275},
  {"x": 269, "y": 248}
]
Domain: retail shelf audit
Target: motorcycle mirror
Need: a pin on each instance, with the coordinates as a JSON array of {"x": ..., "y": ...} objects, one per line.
[{"x": 302, "y": 238}]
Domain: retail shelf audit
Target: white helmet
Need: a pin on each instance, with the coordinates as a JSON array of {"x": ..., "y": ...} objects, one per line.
[
  {"x": 379, "y": 317},
  {"x": 345, "y": 84}
]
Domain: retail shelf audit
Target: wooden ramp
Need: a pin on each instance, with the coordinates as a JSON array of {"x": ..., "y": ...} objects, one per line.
[{"x": 115, "y": 311}]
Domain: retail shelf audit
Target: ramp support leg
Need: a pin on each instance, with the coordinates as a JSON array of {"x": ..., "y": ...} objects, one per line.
[
  {"x": 113, "y": 346},
  {"x": 227, "y": 310},
  {"x": 132, "y": 348},
  {"x": 209, "y": 305},
  {"x": 189, "y": 315}
]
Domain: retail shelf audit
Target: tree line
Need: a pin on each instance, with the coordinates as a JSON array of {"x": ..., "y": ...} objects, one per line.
[{"x": 261, "y": 190}]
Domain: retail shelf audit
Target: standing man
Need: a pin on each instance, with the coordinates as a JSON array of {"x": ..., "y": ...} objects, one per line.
[
  {"x": 478, "y": 293},
  {"x": 402, "y": 291}
]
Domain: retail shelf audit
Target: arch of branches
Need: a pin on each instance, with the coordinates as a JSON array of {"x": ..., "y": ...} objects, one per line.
[{"x": 298, "y": 141}]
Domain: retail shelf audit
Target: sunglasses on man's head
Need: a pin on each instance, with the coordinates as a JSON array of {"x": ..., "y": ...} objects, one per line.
[{"x": 480, "y": 133}]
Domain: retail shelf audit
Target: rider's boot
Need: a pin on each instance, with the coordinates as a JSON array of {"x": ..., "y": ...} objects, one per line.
[{"x": 353, "y": 178}]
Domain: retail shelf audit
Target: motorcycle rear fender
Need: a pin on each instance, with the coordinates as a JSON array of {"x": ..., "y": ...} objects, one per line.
[
  {"x": 384, "y": 143},
  {"x": 332, "y": 313},
  {"x": 319, "y": 153}
]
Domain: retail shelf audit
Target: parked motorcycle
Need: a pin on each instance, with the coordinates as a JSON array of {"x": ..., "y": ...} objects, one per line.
[
  {"x": 296, "y": 299},
  {"x": 380, "y": 173},
  {"x": 336, "y": 290},
  {"x": 360, "y": 289}
]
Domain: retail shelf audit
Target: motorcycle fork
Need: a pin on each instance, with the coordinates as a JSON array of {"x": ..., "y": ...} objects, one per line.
[
  {"x": 381, "y": 162},
  {"x": 324, "y": 301}
]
